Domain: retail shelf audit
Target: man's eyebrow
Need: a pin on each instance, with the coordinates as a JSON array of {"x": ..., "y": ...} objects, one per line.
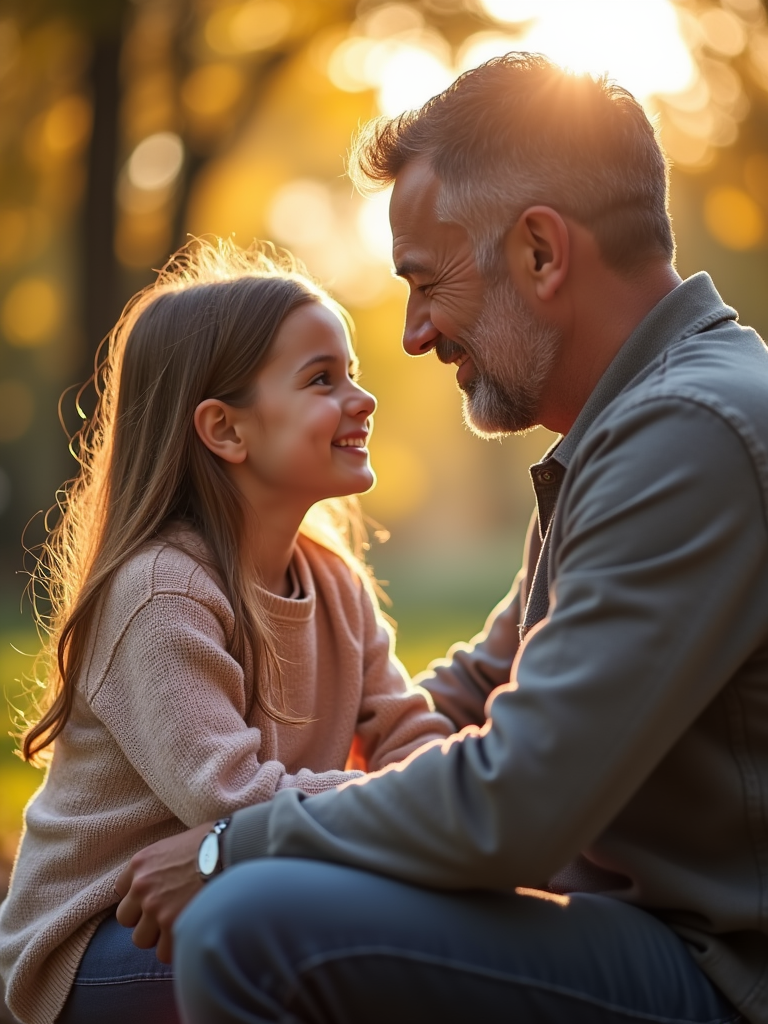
[{"x": 409, "y": 269}]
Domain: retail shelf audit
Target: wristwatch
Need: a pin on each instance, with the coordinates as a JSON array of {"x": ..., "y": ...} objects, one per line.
[{"x": 209, "y": 855}]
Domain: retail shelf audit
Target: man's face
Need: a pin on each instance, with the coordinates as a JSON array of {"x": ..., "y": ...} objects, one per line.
[{"x": 503, "y": 352}]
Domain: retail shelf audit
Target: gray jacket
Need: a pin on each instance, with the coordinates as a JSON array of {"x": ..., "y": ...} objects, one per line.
[{"x": 625, "y": 677}]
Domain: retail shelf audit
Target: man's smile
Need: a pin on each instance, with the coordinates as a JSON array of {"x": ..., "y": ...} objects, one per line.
[{"x": 448, "y": 352}]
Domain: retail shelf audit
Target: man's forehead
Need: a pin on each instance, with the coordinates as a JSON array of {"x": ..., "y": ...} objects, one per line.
[{"x": 414, "y": 196}]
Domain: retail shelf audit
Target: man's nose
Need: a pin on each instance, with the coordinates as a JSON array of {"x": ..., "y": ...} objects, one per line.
[{"x": 419, "y": 333}]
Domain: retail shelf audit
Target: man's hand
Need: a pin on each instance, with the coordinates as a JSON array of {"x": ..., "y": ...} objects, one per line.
[{"x": 156, "y": 886}]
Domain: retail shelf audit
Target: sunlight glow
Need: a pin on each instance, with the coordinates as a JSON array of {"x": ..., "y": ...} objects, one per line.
[
  {"x": 674, "y": 59},
  {"x": 511, "y": 10},
  {"x": 638, "y": 44},
  {"x": 409, "y": 77},
  {"x": 652, "y": 48},
  {"x": 373, "y": 225},
  {"x": 323, "y": 228}
]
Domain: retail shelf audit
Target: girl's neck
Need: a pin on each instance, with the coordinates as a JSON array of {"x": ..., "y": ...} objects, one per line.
[{"x": 270, "y": 542}]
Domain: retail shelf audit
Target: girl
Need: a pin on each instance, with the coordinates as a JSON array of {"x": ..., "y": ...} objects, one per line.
[{"x": 214, "y": 638}]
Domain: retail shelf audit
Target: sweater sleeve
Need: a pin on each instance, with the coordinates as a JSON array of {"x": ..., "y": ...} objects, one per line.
[
  {"x": 394, "y": 718},
  {"x": 174, "y": 700}
]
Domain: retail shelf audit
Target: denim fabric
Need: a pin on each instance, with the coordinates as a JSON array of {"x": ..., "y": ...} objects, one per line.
[
  {"x": 302, "y": 941},
  {"x": 120, "y": 984}
]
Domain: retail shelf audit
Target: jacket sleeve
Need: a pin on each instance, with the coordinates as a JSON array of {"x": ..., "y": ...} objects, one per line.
[
  {"x": 659, "y": 594},
  {"x": 394, "y": 717},
  {"x": 174, "y": 699}
]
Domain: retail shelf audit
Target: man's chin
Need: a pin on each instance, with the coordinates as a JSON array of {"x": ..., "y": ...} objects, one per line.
[{"x": 490, "y": 415}]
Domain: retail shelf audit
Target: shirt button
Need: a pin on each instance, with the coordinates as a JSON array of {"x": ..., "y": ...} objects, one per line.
[{"x": 546, "y": 476}]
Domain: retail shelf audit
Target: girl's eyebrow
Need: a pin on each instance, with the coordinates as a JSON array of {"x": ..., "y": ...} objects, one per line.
[
  {"x": 354, "y": 364},
  {"x": 317, "y": 359}
]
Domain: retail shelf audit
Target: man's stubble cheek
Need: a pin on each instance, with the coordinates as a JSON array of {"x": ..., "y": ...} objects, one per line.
[{"x": 514, "y": 353}]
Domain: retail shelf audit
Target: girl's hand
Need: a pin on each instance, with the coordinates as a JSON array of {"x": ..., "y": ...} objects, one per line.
[{"x": 156, "y": 885}]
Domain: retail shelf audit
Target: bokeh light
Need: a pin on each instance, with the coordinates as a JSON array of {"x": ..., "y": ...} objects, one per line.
[
  {"x": 156, "y": 161},
  {"x": 31, "y": 312},
  {"x": 240, "y": 28},
  {"x": 302, "y": 213},
  {"x": 723, "y": 31},
  {"x": 734, "y": 218},
  {"x": 67, "y": 126}
]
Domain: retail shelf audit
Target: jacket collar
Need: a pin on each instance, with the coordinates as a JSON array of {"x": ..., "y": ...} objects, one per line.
[{"x": 693, "y": 306}]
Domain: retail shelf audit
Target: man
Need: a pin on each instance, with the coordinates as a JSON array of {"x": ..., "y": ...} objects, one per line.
[{"x": 596, "y": 848}]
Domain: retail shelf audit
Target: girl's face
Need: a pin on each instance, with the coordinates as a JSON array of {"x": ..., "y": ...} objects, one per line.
[{"x": 306, "y": 431}]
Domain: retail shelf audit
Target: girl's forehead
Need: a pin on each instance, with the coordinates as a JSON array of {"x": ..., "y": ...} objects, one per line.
[{"x": 310, "y": 327}]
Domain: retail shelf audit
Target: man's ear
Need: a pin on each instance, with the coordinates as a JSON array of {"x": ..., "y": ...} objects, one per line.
[
  {"x": 537, "y": 250},
  {"x": 216, "y": 424}
]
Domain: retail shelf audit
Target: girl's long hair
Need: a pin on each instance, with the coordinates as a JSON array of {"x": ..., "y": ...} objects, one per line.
[{"x": 201, "y": 330}]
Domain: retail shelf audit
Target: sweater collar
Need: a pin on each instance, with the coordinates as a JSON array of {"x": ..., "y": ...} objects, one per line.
[{"x": 293, "y": 609}]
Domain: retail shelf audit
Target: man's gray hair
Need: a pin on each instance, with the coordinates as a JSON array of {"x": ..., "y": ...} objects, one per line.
[{"x": 520, "y": 131}]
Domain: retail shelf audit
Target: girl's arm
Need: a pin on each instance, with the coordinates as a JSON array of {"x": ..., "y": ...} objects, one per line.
[
  {"x": 174, "y": 700},
  {"x": 395, "y": 718}
]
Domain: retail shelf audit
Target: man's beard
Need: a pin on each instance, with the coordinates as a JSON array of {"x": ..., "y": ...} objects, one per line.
[{"x": 512, "y": 352}]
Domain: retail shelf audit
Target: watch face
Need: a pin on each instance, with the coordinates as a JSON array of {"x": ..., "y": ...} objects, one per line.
[{"x": 208, "y": 857}]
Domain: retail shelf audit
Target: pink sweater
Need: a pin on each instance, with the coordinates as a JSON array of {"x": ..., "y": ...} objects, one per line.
[{"x": 161, "y": 738}]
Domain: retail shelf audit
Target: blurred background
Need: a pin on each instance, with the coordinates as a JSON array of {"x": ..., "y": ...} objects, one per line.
[{"x": 125, "y": 125}]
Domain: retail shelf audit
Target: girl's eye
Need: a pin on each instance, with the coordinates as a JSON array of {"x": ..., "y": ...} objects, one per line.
[{"x": 321, "y": 378}]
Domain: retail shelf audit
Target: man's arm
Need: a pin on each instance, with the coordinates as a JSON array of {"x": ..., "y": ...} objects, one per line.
[{"x": 661, "y": 581}]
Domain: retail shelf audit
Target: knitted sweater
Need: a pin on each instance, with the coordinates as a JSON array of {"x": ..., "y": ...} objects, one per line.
[{"x": 164, "y": 734}]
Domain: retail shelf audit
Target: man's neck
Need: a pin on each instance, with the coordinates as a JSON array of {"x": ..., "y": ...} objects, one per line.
[{"x": 606, "y": 310}]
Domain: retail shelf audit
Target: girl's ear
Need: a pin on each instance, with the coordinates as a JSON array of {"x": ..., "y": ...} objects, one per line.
[{"x": 216, "y": 426}]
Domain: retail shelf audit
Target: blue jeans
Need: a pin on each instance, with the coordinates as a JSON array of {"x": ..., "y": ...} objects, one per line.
[
  {"x": 117, "y": 983},
  {"x": 302, "y": 941}
]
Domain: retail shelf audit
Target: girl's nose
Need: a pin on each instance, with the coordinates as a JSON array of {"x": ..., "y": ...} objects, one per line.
[{"x": 362, "y": 402}]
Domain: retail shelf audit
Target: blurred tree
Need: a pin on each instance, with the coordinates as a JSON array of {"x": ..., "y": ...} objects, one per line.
[{"x": 126, "y": 123}]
